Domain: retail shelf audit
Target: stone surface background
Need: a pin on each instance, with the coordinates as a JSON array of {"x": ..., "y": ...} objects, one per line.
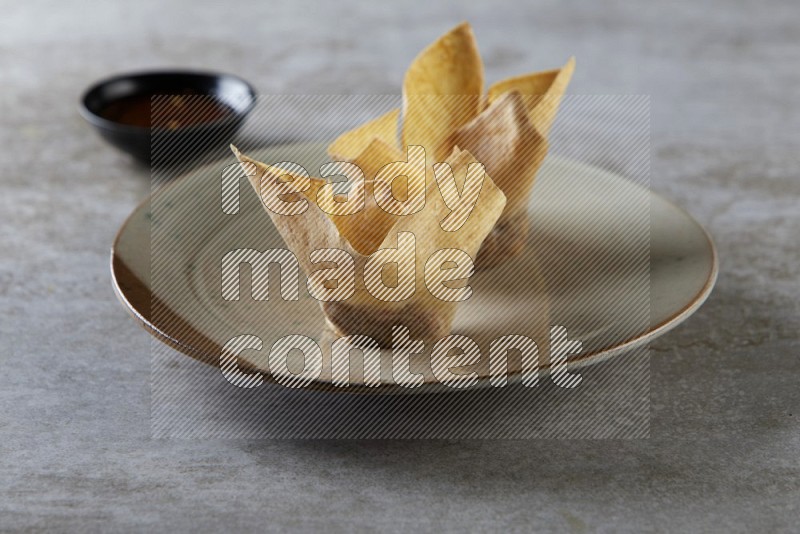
[{"x": 724, "y": 451}]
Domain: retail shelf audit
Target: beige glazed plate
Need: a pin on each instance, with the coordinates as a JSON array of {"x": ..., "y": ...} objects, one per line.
[{"x": 608, "y": 260}]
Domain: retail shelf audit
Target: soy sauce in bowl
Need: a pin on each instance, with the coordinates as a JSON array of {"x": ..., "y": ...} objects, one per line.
[
  {"x": 164, "y": 117},
  {"x": 166, "y": 111}
]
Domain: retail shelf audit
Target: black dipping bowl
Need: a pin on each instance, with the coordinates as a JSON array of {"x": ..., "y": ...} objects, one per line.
[{"x": 180, "y": 143}]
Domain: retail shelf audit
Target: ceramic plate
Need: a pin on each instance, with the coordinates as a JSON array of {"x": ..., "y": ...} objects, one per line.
[{"x": 608, "y": 260}]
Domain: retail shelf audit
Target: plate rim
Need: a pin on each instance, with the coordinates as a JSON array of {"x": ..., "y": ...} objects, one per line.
[{"x": 122, "y": 276}]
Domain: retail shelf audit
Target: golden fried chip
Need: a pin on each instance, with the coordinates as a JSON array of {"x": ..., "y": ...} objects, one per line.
[
  {"x": 352, "y": 143},
  {"x": 541, "y": 91},
  {"x": 307, "y": 230},
  {"x": 375, "y": 155},
  {"x": 428, "y": 316},
  {"x": 365, "y": 230},
  {"x": 442, "y": 91},
  {"x": 511, "y": 149}
]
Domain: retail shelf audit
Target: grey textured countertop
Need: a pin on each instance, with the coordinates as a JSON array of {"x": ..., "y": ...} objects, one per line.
[{"x": 724, "y": 446}]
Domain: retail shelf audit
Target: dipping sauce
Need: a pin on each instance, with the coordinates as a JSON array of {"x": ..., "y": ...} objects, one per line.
[{"x": 169, "y": 112}]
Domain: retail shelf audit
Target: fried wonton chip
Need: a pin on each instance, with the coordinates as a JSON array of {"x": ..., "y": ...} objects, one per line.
[
  {"x": 444, "y": 107},
  {"x": 374, "y": 156},
  {"x": 542, "y": 92},
  {"x": 512, "y": 150},
  {"x": 365, "y": 230},
  {"x": 352, "y": 143},
  {"x": 308, "y": 231},
  {"x": 442, "y": 91},
  {"x": 505, "y": 141}
]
